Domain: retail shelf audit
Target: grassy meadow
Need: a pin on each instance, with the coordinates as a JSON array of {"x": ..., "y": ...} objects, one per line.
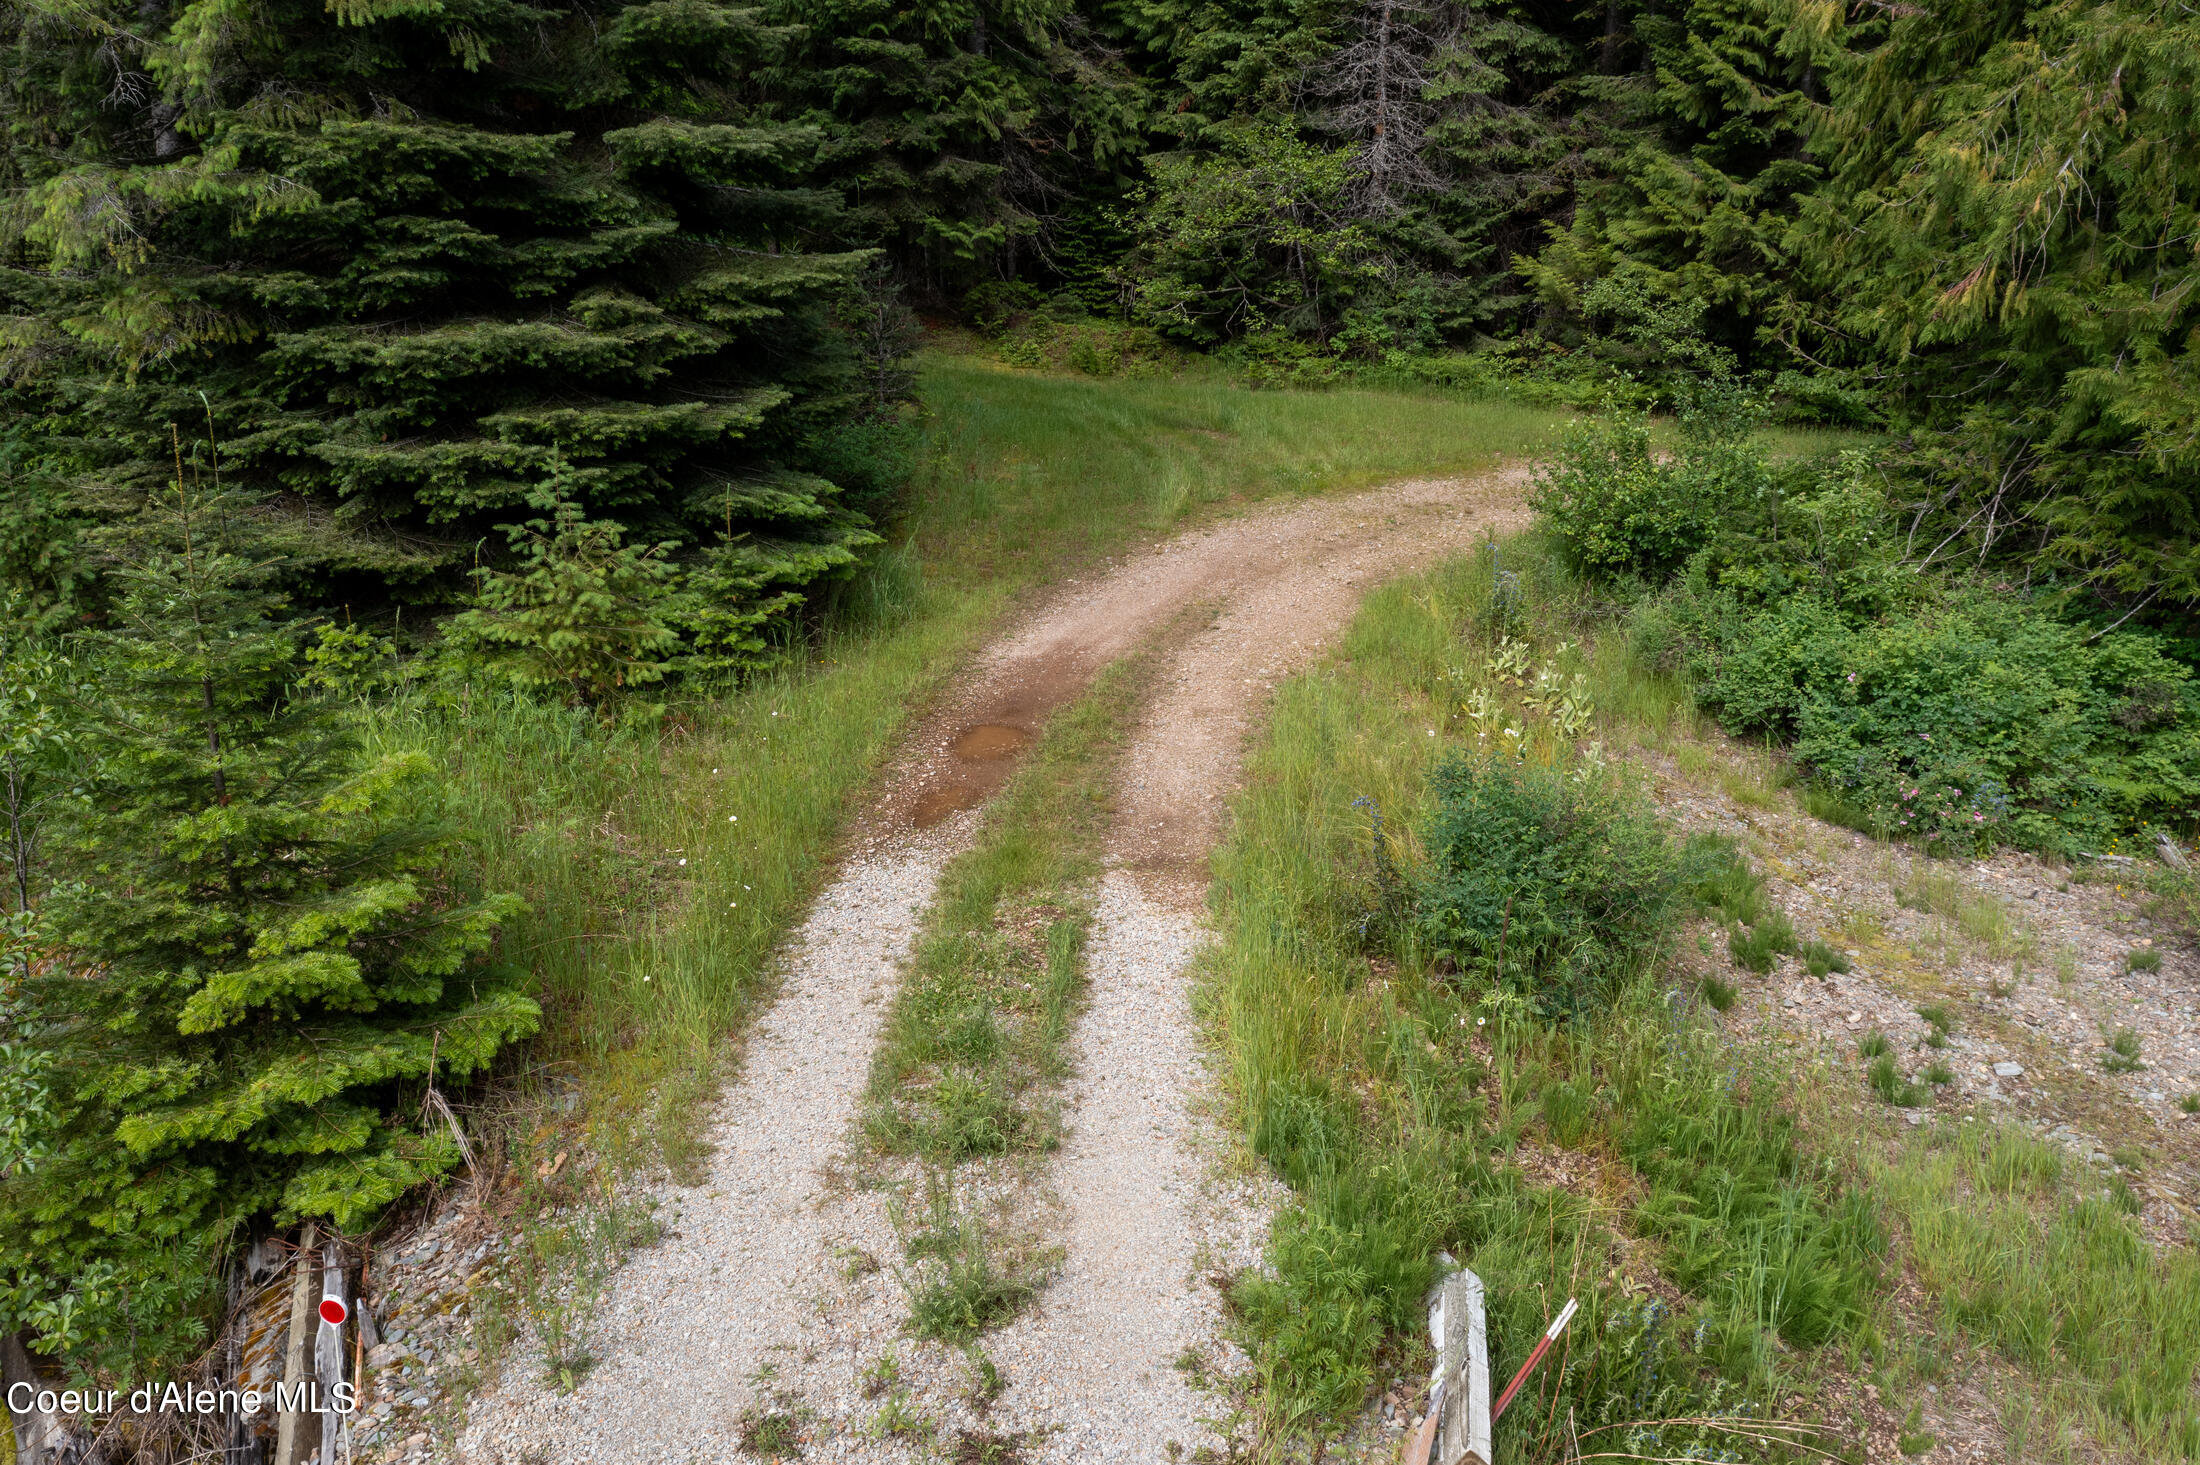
[{"x": 1736, "y": 1232}]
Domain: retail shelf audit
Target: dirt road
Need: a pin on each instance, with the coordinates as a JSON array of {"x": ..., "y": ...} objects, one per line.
[{"x": 769, "y": 1292}]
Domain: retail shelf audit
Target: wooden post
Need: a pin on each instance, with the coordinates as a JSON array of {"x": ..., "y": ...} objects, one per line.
[
  {"x": 328, "y": 1353},
  {"x": 295, "y": 1427},
  {"x": 1462, "y": 1436}
]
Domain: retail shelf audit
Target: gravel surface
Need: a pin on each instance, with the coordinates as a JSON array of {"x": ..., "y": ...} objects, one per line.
[
  {"x": 689, "y": 1320},
  {"x": 1312, "y": 569},
  {"x": 1147, "y": 1223},
  {"x": 2030, "y": 1028}
]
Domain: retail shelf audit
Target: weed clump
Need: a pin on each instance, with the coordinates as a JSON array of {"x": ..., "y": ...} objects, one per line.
[
  {"x": 1821, "y": 960},
  {"x": 1755, "y": 948},
  {"x": 770, "y": 1434},
  {"x": 957, "y": 1287},
  {"x": 1887, "y": 1081},
  {"x": 2123, "y": 1053},
  {"x": 1548, "y": 884}
]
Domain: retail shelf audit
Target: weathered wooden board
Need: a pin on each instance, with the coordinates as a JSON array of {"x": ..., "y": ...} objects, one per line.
[{"x": 1463, "y": 1423}]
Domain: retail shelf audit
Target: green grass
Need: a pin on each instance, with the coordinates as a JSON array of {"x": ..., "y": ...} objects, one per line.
[
  {"x": 2123, "y": 1055},
  {"x": 2019, "y": 1253},
  {"x": 1030, "y": 469},
  {"x": 973, "y": 1044},
  {"x": 1366, "y": 1096},
  {"x": 662, "y": 865},
  {"x": 1819, "y": 959}
]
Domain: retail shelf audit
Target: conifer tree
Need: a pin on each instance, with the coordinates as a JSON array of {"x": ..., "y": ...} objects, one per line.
[
  {"x": 2007, "y": 238},
  {"x": 954, "y": 130},
  {"x": 418, "y": 258},
  {"x": 1692, "y": 190},
  {"x": 256, "y": 958}
]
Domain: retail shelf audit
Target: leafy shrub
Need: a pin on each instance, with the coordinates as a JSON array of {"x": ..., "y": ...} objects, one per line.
[
  {"x": 1720, "y": 994},
  {"x": 1959, "y": 715},
  {"x": 1552, "y": 884},
  {"x": 1616, "y": 509},
  {"x": 1613, "y": 506}
]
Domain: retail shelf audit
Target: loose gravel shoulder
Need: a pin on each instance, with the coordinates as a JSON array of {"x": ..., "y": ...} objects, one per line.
[
  {"x": 2030, "y": 967},
  {"x": 692, "y": 1319}
]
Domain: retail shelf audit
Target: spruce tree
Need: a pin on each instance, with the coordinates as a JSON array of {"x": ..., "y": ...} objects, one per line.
[
  {"x": 255, "y": 964},
  {"x": 417, "y": 260},
  {"x": 1691, "y": 192}
]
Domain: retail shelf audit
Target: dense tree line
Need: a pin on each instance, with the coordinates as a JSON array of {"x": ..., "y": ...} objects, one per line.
[{"x": 436, "y": 275}]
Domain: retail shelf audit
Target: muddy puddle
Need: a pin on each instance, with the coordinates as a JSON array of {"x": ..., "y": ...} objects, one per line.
[{"x": 979, "y": 760}]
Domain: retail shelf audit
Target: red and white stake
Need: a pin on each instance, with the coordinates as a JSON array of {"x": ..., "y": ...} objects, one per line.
[{"x": 1542, "y": 1346}]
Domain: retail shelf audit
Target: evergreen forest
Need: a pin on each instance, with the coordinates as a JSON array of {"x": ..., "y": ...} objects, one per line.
[{"x": 407, "y": 404}]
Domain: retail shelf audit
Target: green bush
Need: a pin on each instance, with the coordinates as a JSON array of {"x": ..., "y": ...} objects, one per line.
[
  {"x": 1617, "y": 510},
  {"x": 1959, "y": 714},
  {"x": 1613, "y": 506},
  {"x": 1550, "y": 883}
]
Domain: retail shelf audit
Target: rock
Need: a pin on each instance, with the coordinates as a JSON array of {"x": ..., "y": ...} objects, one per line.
[{"x": 2006, "y": 1069}]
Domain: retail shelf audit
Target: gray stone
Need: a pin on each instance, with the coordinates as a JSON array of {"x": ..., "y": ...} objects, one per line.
[{"x": 2006, "y": 1069}]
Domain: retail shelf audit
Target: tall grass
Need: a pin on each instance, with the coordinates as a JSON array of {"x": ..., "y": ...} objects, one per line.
[
  {"x": 1782, "y": 1211},
  {"x": 2018, "y": 1253},
  {"x": 661, "y": 864},
  {"x": 1389, "y": 1099}
]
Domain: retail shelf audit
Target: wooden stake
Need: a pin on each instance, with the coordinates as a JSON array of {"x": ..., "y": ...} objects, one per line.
[{"x": 291, "y": 1425}]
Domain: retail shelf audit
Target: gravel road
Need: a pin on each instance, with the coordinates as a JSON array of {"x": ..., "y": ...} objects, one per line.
[
  {"x": 776, "y": 1289},
  {"x": 1146, "y": 1220}
]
